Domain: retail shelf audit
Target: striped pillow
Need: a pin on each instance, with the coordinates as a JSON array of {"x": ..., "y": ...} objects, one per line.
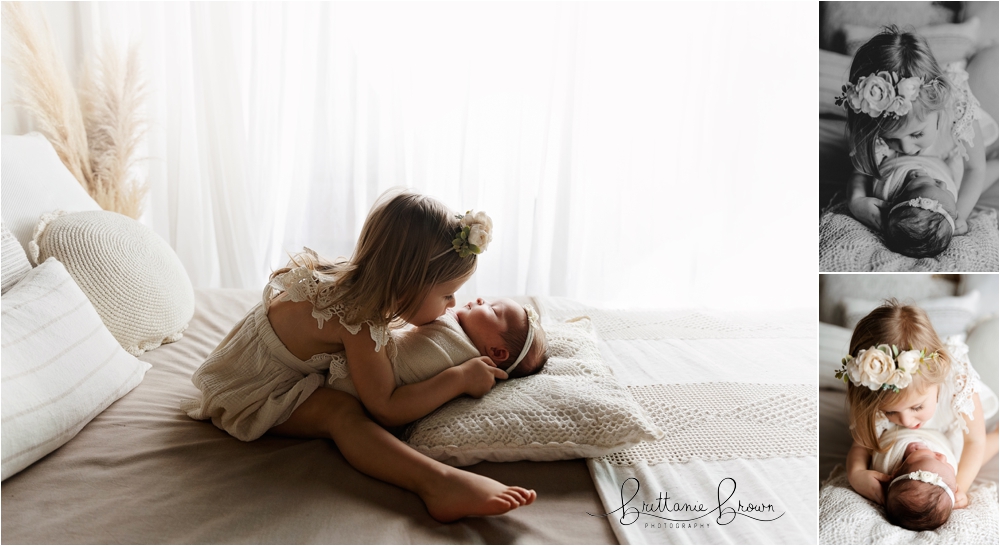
[
  {"x": 61, "y": 366},
  {"x": 15, "y": 261}
]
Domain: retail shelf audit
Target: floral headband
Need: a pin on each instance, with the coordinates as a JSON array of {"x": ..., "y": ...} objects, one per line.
[
  {"x": 882, "y": 93},
  {"x": 532, "y": 325},
  {"x": 475, "y": 235},
  {"x": 926, "y": 203},
  {"x": 882, "y": 367},
  {"x": 927, "y": 477}
]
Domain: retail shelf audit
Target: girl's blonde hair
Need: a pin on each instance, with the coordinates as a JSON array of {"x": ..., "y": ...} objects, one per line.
[
  {"x": 906, "y": 327},
  {"x": 906, "y": 55},
  {"x": 404, "y": 250}
]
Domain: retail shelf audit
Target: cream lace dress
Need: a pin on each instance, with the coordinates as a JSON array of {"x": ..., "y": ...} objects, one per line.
[
  {"x": 954, "y": 400},
  {"x": 251, "y": 381}
]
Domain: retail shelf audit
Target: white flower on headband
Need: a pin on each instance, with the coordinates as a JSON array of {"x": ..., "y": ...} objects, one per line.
[
  {"x": 882, "y": 93},
  {"x": 926, "y": 476},
  {"x": 926, "y": 203},
  {"x": 476, "y": 233},
  {"x": 882, "y": 367}
]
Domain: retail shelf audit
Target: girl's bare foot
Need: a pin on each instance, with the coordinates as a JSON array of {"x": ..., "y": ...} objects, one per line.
[{"x": 460, "y": 494}]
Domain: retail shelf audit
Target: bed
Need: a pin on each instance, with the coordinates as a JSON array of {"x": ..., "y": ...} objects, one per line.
[{"x": 733, "y": 393}]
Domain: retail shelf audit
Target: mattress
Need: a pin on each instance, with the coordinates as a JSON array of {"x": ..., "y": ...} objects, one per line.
[{"x": 143, "y": 472}]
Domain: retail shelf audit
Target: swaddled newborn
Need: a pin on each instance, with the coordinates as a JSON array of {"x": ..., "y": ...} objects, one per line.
[
  {"x": 507, "y": 332},
  {"x": 921, "y": 199},
  {"x": 922, "y": 464}
]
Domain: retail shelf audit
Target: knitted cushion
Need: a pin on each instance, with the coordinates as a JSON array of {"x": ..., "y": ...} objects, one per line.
[
  {"x": 15, "y": 261},
  {"x": 131, "y": 275},
  {"x": 573, "y": 408},
  {"x": 846, "y": 517},
  {"x": 847, "y": 245}
]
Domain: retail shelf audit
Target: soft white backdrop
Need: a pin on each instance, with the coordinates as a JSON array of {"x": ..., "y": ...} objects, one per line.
[{"x": 631, "y": 154}]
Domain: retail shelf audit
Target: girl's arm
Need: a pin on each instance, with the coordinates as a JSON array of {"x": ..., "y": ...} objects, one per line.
[
  {"x": 867, "y": 210},
  {"x": 972, "y": 453},
  {"x": 868, "y": 483},
  {"x": 973, "y": 181},
  {"x": 372, "y": 375}
]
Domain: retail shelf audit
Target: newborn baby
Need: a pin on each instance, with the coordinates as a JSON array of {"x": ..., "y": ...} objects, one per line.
[
  {"x": 921, "y": 198},
  {"x": 507, "y": 332},
  {"x": 922, "y": 464}
]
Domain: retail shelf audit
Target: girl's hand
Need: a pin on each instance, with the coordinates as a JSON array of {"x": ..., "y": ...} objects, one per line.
[
  {"x": 868, "y": 211},
  {"x": 480, "y": 375},
  {"x": 961, "y": 500},
  {"x": 869, "y": 484},
  {"x": 961, "y": 227}
]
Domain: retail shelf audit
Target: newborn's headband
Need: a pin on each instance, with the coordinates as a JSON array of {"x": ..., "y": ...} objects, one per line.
[
  {"x": 927, "y": 477},
  {"x": 532, "y": 324},
  {"x": 926, "y": 203}
]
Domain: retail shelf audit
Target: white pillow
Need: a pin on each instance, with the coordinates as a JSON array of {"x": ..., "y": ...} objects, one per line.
[
  {"x": 984, "y": 352},
  {"x": 61, "y": 366},
  {"x": 131, "y": 275},
  {"x": 834, "y": 288},
  {"x": 573, "y": 408},
  {"x": 834, "y": 342},
  {"x": 989, "y": 291},
  {"x": 949, "y": 316},
  {"x": 35, "y": 182},
  {"x": 15, "y": 263}
]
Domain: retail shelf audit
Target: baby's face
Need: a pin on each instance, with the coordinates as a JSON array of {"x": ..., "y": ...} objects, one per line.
[
  {"x": 914, "y": 409},
  {"x": 919, "y": 184},
  {"x": 484, "y": 321},
  {"x": 917, "y": 456}
]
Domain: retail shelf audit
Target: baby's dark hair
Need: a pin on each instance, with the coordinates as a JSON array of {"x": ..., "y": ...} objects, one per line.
[
  {"x": 534, "y": 361},
  {"x": 917, "y": 505},
  {"x": 917, "y": 232}
]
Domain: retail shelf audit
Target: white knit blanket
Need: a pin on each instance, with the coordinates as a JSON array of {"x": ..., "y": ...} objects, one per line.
[
  {"x": 847, "y": 245},
  {"x": 736, "y": 397},
  {"x": 846, "y": 517}
]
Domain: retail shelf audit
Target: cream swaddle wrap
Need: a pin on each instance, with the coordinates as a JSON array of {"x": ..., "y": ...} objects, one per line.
[
  {"x": 888, "y": 462},
  {"x": 894, "y": 171},
  {"x": 423, "y": 352}
]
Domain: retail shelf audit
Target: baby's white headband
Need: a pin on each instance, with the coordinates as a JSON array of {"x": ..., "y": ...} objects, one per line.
[
  {"x": 926, "y": 203},
  {"x": 532, "y": 324},
  {"x": 927, "y": 477}
]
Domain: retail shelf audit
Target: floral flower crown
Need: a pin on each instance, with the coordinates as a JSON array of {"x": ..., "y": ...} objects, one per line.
[
  {"x": 882, "y": 367},
  {"x": 882, "y": 93},
  {"x": 475, "y": 235},
  {"x": 927, "y": 476},
  {"x": 926, "y": 203}
]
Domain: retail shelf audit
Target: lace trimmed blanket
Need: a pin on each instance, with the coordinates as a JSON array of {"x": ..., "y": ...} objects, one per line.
[
  {"x": 847, "y": 245},
  {"x": 846, "y": 517},
  {"x": 736, "y": 397}
]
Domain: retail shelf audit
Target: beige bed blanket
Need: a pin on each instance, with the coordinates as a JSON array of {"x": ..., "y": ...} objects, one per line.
[{"x": 144, "y": 472}]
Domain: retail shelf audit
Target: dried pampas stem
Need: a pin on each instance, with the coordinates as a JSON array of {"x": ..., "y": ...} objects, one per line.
[
  {"x": 46, "y": 91},
  {"x": 112, "y": 95}
]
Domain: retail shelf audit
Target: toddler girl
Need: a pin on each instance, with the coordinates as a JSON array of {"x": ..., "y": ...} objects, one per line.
[
  {"x": 900, "y": 102},
  {"x": 900, "y": 375},
  {"x": 266, "y": 374},
  {"x": 508, "y": 333}
]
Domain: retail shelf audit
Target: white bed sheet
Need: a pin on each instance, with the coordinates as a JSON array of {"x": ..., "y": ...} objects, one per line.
[{"x": 767, "y": 361}]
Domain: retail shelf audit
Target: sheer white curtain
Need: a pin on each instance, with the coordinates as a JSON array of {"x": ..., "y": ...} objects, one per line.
[{"x": 630, "y": 154}]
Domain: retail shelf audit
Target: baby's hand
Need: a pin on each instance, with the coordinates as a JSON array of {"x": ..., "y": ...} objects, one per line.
[
  {"x": 961, "y": 500},
  {"x": 869, "y": 483},
  {"x": 480, "y": 375},
  {"x": 961, "y": 227},
  {"x": 868, "y": 211}
]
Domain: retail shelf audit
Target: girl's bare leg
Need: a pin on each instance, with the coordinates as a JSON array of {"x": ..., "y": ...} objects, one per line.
[{"x": 449, "y": 493}]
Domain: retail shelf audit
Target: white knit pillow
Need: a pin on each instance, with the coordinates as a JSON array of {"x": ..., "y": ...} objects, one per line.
[
  {"x": 61, "y": 366},
  {"x": 571, "y": 409},
  {"x": 15, "y": 262},
  {"x": 131, "y": 275}
]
